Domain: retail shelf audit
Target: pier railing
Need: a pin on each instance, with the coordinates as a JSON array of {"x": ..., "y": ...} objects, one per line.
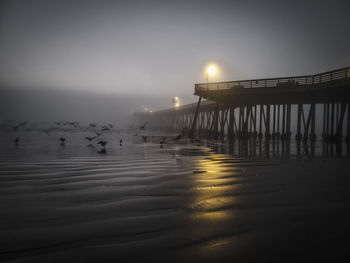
[
  {"x": 339, "y": 74},
  {"x": 187, "y": 106}
]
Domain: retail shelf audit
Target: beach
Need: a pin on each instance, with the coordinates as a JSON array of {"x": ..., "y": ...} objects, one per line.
[{"x": 184, "y": 201}]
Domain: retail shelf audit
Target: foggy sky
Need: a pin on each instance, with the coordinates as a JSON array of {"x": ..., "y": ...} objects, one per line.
[{"x": 162, "y": 47}]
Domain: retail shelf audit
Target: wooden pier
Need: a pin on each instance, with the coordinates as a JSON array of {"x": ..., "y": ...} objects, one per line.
[{"x": 267, "y": 108}]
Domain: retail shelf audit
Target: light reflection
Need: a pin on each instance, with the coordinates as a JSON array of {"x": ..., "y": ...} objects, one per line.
[
  {"x": 213, "y": 190},
  {"x": 218, "y": 215}
]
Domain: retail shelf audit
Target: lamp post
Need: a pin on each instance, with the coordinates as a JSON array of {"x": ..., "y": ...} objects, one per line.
[
  {"x": 211, "y": 70},
  {"x": 176, "y": 102}
]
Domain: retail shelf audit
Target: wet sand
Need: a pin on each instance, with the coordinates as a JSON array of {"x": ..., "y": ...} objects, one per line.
[{"x": 180, "y": 203}]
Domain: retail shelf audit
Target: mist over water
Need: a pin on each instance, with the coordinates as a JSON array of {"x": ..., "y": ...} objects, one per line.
[{"x": 49, "y": 104}]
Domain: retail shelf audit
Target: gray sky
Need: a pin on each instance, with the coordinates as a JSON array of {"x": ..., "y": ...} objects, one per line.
[{"x": 162, "y": 47}]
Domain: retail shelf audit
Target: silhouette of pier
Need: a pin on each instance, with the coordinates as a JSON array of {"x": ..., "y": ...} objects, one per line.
[{"x": 265, "y": 108}]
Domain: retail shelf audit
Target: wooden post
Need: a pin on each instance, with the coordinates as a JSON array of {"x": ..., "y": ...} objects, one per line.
[
  {"x": 313, "y": 120},
  {"x": 332, "y": 119},
  {"x": 288, "y": 132},
  {"x": 278, "y": 119},
  {"x": 348, "y": 124},
  {"x": 230, "y": 124},
  {"x": 274, "y": 121},
  {"x": 260, "y": 120},
  {"x": 327, "y": 117},
  {"x": 241, "y": 111},
  {"x": 216, "y": 121},
  {"x": 340, "y": 121},
  {"x": 267, "y": 127},
  {"x": 255, "y": 120},
  {"x": 191, "y": 134},
  {"x": 246, "y": 121},
  {"x": 283, "y": 121},
  {"x": 324, "y": 120},
  {"x": 298, "y": 135}
]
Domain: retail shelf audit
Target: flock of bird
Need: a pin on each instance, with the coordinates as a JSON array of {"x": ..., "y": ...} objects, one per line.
[{"x": 98, "y": 138}]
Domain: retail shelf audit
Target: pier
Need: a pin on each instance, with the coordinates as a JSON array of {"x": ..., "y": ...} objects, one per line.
[{"x": 265, "y": 108}]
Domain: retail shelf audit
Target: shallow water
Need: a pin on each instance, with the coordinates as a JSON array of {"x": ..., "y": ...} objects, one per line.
[{"x": 206, "y": 201}]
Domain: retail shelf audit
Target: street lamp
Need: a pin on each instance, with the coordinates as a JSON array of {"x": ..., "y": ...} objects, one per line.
[
  {"x": 211, "y": 71},
  {"x": 176, "y": 102}
]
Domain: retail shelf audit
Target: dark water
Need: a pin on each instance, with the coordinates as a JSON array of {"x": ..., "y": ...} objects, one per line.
[{"x": 192, "y": 202}]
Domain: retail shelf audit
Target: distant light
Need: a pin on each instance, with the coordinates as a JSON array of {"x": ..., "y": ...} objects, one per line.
[
  {"x": 211, "y": 70},
  {"x": 146, "y": 109},
  {"x": 176, "y": 101}
]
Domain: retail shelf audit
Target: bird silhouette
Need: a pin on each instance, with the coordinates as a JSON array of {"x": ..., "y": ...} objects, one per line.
[
  {"x": 17, "y": 141},
  {"x": 178, "y": 137},
  {"x": 23, "y": 123},
  {"x": 121, "y": 141},
  {"x": 102, "y": 143},
  {"x": 102, "y": 151},
  {"x": 105, "y": 128},
  {"x": 90, "y": 138},
  {"x": 143, "y": 126},
  {"x": 92, "y": 125},
  {"x": 62, "y": 140},
  {"x": 144, "y": 137}
]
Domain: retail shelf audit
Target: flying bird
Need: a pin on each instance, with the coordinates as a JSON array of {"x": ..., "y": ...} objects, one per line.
[
  {"x": 102, "y": 143},
  {"x": 105, "y": 128},
  {"x": 143, "y": 126},
  {"x": 62, "y": 140},
  {"x": 17, "y": 141},
  {"x": 90, "y": 138},
  {"x": 23, "y": 123}
]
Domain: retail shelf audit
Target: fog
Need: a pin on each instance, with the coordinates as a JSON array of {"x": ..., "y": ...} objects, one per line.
[
  {"x": 104, "y": 59},
  {"x": 39, "y": 104}
]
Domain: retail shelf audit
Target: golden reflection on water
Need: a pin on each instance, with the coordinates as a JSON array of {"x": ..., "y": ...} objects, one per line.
[{"x": 213, "y": 186}]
